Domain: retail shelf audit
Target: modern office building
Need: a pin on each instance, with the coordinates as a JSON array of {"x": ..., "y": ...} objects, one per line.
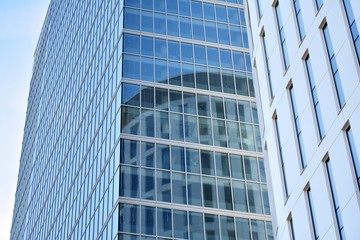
[
  {"x": 306, "y": 55},
  {"x": 142, "y": 124}
]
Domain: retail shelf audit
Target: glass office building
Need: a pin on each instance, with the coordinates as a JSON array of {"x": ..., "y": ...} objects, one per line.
[{"x": 142, "y": 124}]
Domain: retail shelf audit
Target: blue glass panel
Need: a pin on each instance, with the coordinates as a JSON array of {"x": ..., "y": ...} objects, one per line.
[
  {"x": 254, "y": 196},
  {"x": 173, "y": 50},
  {"x": 203, "y": 105},
  {"x": 131, "y": 43},
  {"x": 179, "y": 188},
  {"x": 130, "y": 94},
  {"x": 176, "y": 127},
  {"x": 147, "y": 123},
  {"x": 175, "y": 101},
  {"x": 163, "y": 186},
  {"x": 147, "y": 154},
  {"x": 160, "y": 71},
  {"x": 192, "y": 160},
  {"x": 233, "y": 135},
  {"x": 209, "y": 192},
  {"x": 200, "y": 54},
  {"x": 186, "y": 52},
  {"x": 177, "y": 158},
  {"x": 205, "y": 131},
  {"x": 147, "y": 69},
  {"x": 185, "y": 26},
  {"x": 213, "y": 56},
  {"x": 147, "y": 4},
  {"x": 210, "y": 29},
  {"x": 146, "y": 21},
  {"x": 129, "y": 218},
  {"x": 189, "y": 103},
  {"x": 159, "y": 5},
  {"x": 215, "y": 79},
  {"x": 227, "y": 228},
  {"x": 217, "y": 107},
  {"x": 223, "y": 34},
  {"x": 160, "y": 48},
  {"x": 219, "y": 131},
  {"x": 226, "y": 60},
  {"x": 148, "y": 219},
  {"x": 233, "y": 15},
  {"x": 237, "y": 169},
  {"x": 131, "y": 66},
  {"x": 174, "y": 73},
  {"x": 207, "y": 163},
  {"x": 196, "y": 226},
  {"x": 132, "y": 3},
  {"x": 130, "y": 120},
  {"x": 172, "y": 25},
  {"x": 130, "y": 152},
  {"x": 196, "y": 9},
  {"x": 239, "y": 60},
  {"x": 172, "y": 6},
  {"x": 181, "y": 226},
  {"x": 194, "y": 190},
  {"x": 147, "y": 47},
  {"x": 212, "y": 226},
  {"x": 188, "y": 75},
  {"x": 148, "y": 184},
  {"x": 184, "y": 7},
  {"x": 163, "y": 156},
  {"x": 228, "y": 81},
  {"x": 162, "y": 125},
  {"x": 221, "y": 15},
  {"x": 239, "y": 195},
  {"x": 198, "y": 29},
  {"x": 164, "y": 220},
  {"x": 258, "y": 229},
  {"x": 201, "y": 77},
  {"x": 190, "y": 129},
  {"x": 132, "y": 19},
  {"x": 209, "y": 11},
  {"x": 129, "y": 182},
  {"x": 243, "y": 229},
  {"x": 159, "y": 23}
]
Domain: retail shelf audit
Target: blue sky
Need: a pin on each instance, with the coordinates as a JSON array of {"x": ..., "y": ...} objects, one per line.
[{"x": 20, "y": 26}]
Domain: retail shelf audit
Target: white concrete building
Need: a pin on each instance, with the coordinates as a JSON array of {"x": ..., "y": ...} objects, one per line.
[{"x": 306, "y": 56}]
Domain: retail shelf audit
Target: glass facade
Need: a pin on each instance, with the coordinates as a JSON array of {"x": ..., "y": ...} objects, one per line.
[{"x": 142, "y": 123}]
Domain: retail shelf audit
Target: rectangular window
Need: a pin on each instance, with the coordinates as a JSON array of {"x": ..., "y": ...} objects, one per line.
[
  {"x": 335, "y": 199},
  {"x": 299, "y": 19},
  {"x": 319, "y": 3},
  {"x": 312, "y": 212},
  {"x": 282, "y": 35},
  {"x": 315, "y": 98},
  {"x": 281, "y": 156},
  {"x": 297, "y": 126},
  {"x": 353, "y": 27},
  {"x": 291, "y": 227},
  {"x": 268, "y": 69},
  {"x": 334, "y": 68},
  {"x": 354, "y": 154}
]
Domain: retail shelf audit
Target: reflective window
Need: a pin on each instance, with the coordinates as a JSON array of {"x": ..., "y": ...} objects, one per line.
[
  {"x": 129, "y": 218},
  {"x": 164, "y": 220},
  {"x": 212, "y": 226}
]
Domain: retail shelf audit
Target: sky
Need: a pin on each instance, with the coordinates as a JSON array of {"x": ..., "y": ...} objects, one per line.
[{"x": 20, "y": 26}]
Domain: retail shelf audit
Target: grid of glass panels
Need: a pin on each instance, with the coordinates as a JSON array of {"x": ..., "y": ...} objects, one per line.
[
  {"x": 168, "y": 173},
  {"x": 190, "y": 117},
  {"x": 188, "y": 65},
  {"x": 147, "y": 222},
  {"x": 189, "y": 19}
]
